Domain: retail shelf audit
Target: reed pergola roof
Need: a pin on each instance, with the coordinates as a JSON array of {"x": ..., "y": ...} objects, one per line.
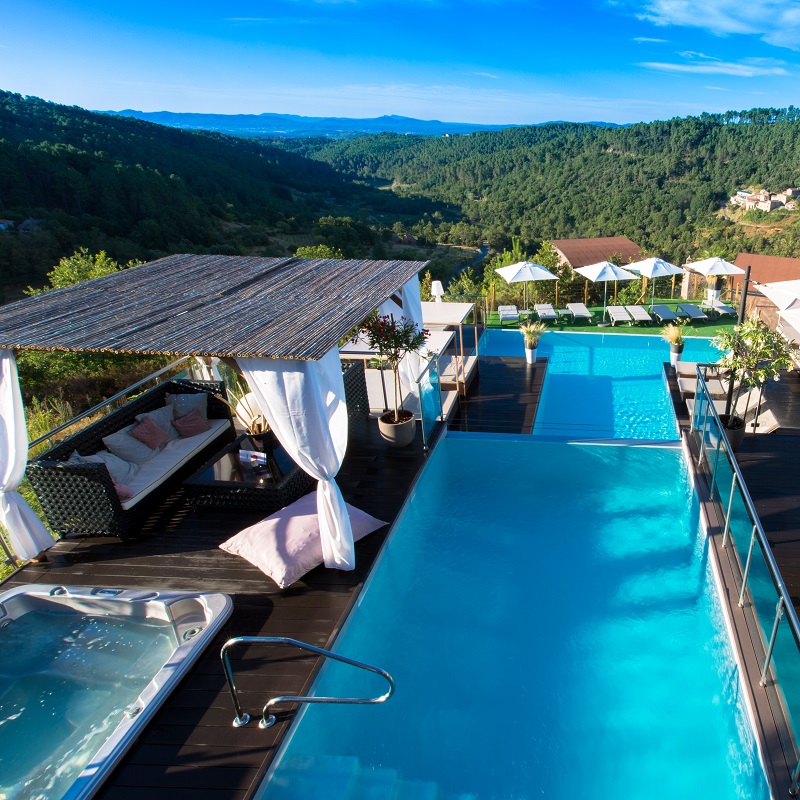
[{"x": 207, "y": 305}]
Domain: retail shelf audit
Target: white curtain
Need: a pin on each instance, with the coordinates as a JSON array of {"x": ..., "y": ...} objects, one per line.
[
  {"x": 28, "y": 535},
  {"x": 304, "y": 404},
  {"x": 413, "y": 363}
]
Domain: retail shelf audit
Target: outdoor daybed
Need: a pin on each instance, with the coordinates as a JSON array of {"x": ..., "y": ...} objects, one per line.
[{"x": 81, "y": 498}]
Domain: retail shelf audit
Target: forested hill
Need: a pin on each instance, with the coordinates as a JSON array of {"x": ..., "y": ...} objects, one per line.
[
  {"x": 661, "y": 184},
  {"x": 140, "y": 190}
]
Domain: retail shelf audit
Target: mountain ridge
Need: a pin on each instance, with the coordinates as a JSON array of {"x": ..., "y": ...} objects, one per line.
[{"x": 270, "y": 124}]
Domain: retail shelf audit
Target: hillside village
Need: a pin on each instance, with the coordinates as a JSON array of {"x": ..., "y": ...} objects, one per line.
[{"x": 766, "y": 201}]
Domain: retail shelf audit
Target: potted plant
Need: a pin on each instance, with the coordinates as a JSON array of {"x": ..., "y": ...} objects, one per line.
[
  {"x": 393, "y": 339},
  {"x": 673, "y": 333},
  {"x": 753, "y": 354},
  {"x": 532, "y": 332}
]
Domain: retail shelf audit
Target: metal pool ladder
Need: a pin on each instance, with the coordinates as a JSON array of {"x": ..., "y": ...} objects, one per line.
[{"x": 268, "y": 720}]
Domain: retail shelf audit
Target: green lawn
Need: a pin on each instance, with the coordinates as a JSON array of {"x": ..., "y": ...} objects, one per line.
[{"x": 710, "y": 328}]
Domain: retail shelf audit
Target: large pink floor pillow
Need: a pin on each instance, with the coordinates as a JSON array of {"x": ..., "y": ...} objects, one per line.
[{"x": 286, "y": 545}]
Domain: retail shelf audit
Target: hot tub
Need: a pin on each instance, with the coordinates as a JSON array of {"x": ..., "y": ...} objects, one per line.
[{"x": 82, "y": 671}]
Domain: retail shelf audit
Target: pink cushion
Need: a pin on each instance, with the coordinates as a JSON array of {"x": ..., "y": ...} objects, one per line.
[
  {"x": 149, "y": 433},
  {"x": 286, "y": 545},
  {"x": 124, "y": 492},
  {"x": 191, "y": 424}
]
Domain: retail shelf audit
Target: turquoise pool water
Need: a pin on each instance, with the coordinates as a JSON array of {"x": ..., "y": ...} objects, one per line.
[
  {"x": 548, "y": 612},
  {"x": 601, "y": 386}
]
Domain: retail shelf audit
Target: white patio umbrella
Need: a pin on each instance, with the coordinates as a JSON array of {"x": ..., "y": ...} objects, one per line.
[
  {"x": 605, "y": 271},
  {"x": 714, "y": 267},
  {"x": 654, "y": 268},
  {"x": 525, "y": 271},
  {"x": 785, "y": 294}
]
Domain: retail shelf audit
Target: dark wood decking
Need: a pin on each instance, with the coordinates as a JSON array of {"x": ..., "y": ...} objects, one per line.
[
  {"x": 503, "y": 398},
  {"x": 191, "y": 750}
]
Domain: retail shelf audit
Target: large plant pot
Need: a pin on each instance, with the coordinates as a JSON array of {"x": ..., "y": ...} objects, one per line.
[
  {"x": 530, "y": 355},
  {"x": 398, "y": 434},
  {"x": 734, "y": 429},
  {"x": 675, "y": 353}
]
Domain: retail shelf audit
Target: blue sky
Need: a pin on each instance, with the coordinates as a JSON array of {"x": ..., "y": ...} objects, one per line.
[{"x": 490, "y": 61}]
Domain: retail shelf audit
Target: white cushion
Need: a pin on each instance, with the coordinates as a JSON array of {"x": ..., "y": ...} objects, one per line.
[
  {"x": 185, "y": 402},
  {"x": 169, "y": 459},
  {"x": 121, "y": 472},
  {"x": 122, "y": 444},
  {"x": 286, "y": 545}
]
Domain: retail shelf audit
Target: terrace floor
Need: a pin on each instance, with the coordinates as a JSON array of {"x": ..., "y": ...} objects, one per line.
[
  {"x": 191, "y": 749},
  {"x": 503, "y": 398}
]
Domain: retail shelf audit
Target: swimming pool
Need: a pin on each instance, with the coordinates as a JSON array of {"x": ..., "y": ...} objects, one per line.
[
  {"x": 549, "y": 615},
  {"x": 601, "y": 386}
]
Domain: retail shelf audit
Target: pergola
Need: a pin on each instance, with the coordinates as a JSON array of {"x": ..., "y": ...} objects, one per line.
[{"x": 280, "y": 318}]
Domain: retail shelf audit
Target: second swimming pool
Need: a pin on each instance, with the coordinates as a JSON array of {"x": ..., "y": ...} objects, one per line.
[
  {"x": 551, "y": 620},
  {"x": 601, "y": 386}
]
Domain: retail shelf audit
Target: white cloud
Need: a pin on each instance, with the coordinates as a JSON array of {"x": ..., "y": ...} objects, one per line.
[
  {"x": 483, "y": 75},
  {"x": 648, "y": 39},
  {"x": 776, "y": 22},
  {"x": 738, "y": 70},
  {"x": 716, "y": 88}
]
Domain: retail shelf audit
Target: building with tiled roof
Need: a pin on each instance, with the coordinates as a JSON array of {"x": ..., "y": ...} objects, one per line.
[{"x": 582, "y": 252}]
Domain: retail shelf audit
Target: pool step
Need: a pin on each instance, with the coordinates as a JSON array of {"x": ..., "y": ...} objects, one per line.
[{"x": 344, "y": 778}]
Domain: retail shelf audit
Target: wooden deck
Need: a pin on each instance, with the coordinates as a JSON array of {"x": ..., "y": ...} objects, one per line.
[
  {"x": 503, "y": 398},
  {"x": 770, "y": 464},
  {"x": 190, "y": 750}
]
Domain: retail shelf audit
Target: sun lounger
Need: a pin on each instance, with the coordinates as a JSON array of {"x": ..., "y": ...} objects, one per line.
[
  {"x": 619, "y": 314},
  {"x": 507, "y": 312},
  {"x": 639, "y": 314},
  {"x": 579, "y": 311},
  {"x": 545, "y": 311},
  {"x": 720, "y": 309},
  {"x": 664, "y": 313},
  {"x": 693, "y": 312}
]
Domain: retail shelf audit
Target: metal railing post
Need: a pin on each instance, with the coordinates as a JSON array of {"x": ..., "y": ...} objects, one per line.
[
  {"x": 795, "y": 787},
  {"x": 746, "y": 573},
  {"x": 703, "y": 429},
  {"x": 716, "y": 464},
  {"x": 771, "y": 647},
  {"x": 730, "y": 507},
  {"x": 439, "y": 386}
]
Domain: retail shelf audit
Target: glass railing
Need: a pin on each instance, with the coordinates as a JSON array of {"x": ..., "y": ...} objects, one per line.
[
  {"x": 430, "y": 398},
  {"x": 775, "y": 632}
]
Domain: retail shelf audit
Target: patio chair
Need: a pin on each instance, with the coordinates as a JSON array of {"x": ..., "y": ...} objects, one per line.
[
  {"x": 619, "y": 314},
  {"x": 545, "y": 311},
  {"x": 507, "y": 312},
  {"x": 579, "y": 311},
  {"x": 639, "y": 314},
  {"x": 720, "y": 309},
  {"x": 693, "y": 312},
  {"x": 664, "y": 313}
]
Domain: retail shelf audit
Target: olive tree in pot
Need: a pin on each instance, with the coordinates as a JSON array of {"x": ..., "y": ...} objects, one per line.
[
  {"x": 753, "y": 354},
  {"x": 532, "y": 332},
  {"x": 393, "y": 339},
  {"x": 673, "y": 333}
]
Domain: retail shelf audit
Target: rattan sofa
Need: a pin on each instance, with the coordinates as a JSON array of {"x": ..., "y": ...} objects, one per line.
[{"x": 80, "y": 499}]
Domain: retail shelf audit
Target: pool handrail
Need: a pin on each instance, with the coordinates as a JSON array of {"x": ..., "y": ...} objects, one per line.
[
  {"x": 267, "y": 721},
  {"x": 784, "y": 605}
]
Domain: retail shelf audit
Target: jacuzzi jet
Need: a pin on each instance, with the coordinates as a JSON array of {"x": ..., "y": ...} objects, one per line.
[{"x": 191, "y": 633}]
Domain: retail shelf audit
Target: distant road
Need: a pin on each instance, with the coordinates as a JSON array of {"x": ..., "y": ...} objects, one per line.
[{"x": 484, "y": 251}]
